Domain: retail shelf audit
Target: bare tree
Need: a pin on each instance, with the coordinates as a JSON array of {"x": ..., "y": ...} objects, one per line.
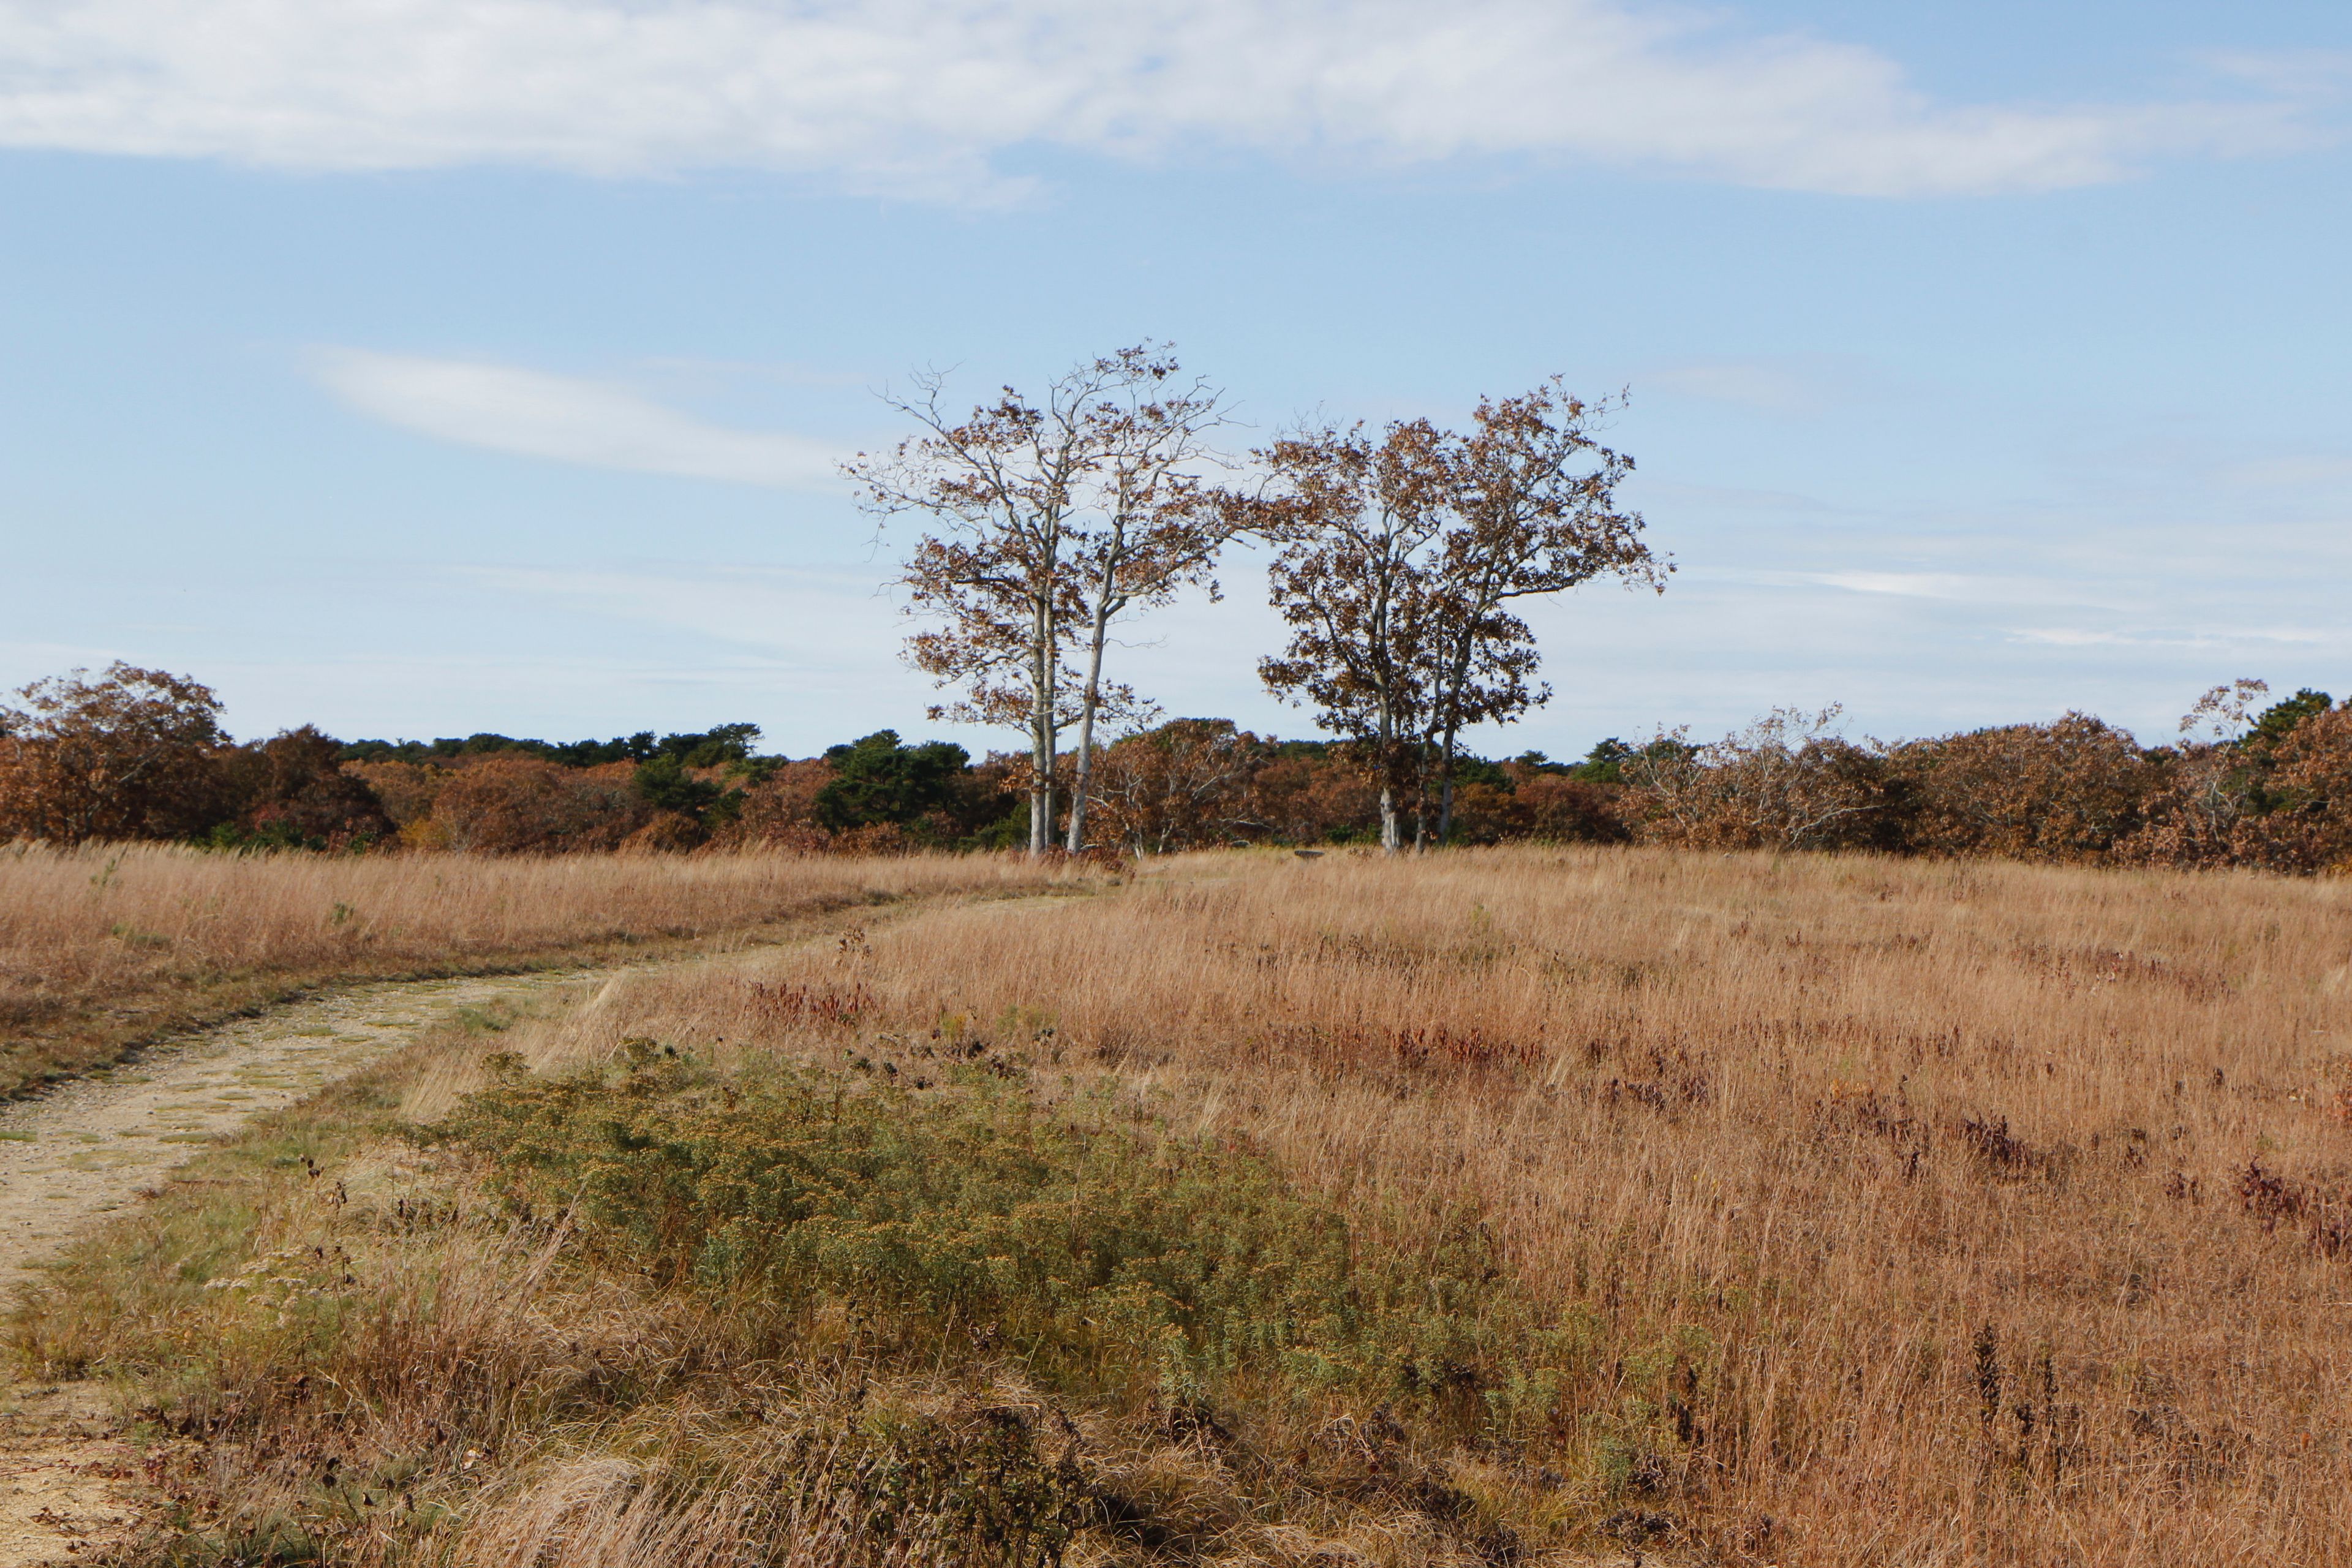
[
  {"x": 1156, "y": 523},
  {"x": 1054, "y": 519},
  {"x": 1352, "y": 522},
  {"x": 1181, "y": 786},
  {"x": 1532, "y": 502}
]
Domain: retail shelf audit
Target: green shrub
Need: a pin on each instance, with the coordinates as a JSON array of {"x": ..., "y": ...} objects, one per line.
[
  {"x": 1103, "y": 1252},
  {"x": 880, "y": 779}
]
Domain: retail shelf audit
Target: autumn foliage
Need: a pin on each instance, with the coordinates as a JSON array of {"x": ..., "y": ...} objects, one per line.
[
  {"x": 129, "y": 755},
  {"x": 2076, "y": 791},
  {"x": 139, "y": 754}
]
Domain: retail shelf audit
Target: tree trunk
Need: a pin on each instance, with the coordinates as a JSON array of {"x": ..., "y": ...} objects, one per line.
[
  {"x": 1085, "y": 771},
  {"x": 1391, "y": 836},
  {"x": 1457, "y": 679},
  {"x": 1445, "y": 792},
  {"x": 1041, "y": 733}
]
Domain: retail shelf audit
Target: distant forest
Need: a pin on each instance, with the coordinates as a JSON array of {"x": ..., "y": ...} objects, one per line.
[{"x": 139, "y": 754}]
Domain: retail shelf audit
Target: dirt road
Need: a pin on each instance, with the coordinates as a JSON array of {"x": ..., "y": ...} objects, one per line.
[{"x": 91, "y": 1145}]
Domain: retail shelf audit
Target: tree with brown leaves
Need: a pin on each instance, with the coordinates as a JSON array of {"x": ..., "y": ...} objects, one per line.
[
  {"x": 1532, "y": 510},
  {"x": 1353, "y": 521},
  {"x": 129, "y": 755},
  {"x": 1400, "y": 563},
  {"x": 1054, "y": 519}
]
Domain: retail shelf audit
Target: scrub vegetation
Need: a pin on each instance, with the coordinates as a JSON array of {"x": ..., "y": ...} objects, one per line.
[{"x": 1514, "y": 1205}]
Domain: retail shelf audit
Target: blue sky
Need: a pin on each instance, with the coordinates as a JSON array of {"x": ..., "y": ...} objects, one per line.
[{"x": 437, "y": 366}]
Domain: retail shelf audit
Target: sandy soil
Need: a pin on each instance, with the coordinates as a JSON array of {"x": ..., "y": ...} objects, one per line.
[
  {"x": 91, "y": 1144},
  {"x": 65, "y": 1479},
  {"x": 68, "y": 1484}
]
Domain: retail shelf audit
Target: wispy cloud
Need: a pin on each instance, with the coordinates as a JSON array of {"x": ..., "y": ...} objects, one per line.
[
  {"x": 922, "y": 96},
  {"x": 2298, "y": 71},
  {"x": 566, "y": 419},
  {"x": 1955, "y": 587},
  {"x": 2308, "y": 470},
  {"x": 1908, "y": 585},
  {"x": 2215, "y": 638}
]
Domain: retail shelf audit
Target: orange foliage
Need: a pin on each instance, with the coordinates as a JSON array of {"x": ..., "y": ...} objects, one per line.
[
  {"x": 129, "y": 755},
  {"x": 1543, "y": 805},
  {"x": 507, "y": 804},
  {"x": 2308, "y": 827},
  {"x": 292, "y": 790},
  {"x": 2066, "y": 791},
  {"x": 1306, "y": 797},
  {"x": 780, "y": 810}
]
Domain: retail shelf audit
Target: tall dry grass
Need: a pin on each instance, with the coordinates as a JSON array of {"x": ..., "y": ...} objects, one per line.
[
  {"x": 104, "y": 945},
  {"x": 1868, "y": 1212},
  {"x": 2003, "y": 1213}
]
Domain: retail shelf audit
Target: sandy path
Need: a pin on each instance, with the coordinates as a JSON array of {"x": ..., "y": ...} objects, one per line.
[
  {"x": 67, "y": 1480},
  {"x": 91, "y": 1144}
]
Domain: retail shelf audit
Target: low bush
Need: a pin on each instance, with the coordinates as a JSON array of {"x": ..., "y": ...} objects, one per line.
[{"x": 1110, "y": 1257}]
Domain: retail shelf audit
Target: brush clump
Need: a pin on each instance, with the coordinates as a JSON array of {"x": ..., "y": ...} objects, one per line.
[{"x": 1097, "y": 1246}]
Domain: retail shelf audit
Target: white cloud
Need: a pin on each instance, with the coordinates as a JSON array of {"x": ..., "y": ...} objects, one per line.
[
  {"x": 2066, "y": 636},
  {"x": 2298, "y": 71},
  {"x": 2214, "y": 637},
  {"x": 921, "y": 96},
  {"x": 1905, "y": 584},
  {"x": 564, "y": 419},
  {"x": 1951, "y": 586}
]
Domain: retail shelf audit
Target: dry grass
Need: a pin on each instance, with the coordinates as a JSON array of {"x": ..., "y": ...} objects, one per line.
[
  {"x": 1863, "y": 1212},
  {"x": 103, "y": 947}
]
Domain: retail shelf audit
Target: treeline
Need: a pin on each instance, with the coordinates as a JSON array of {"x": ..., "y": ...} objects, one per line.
[
  {"x": 2271, "y": 790},
  {"x": 139, "y": 754}
]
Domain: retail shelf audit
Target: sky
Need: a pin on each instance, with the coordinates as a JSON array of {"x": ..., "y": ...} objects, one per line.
[{"x": 420, "y": 367}]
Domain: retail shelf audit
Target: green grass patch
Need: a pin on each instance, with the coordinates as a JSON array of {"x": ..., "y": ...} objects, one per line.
[{"x": 1106, "y": 1253}]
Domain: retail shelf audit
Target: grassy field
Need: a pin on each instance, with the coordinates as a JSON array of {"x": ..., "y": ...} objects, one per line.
[
  {"x": 1490, "y": 1207},
  {"x": 102, "y": 948}
]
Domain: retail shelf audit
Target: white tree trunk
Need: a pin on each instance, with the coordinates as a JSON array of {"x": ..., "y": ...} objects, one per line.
[
  {"x": 1083, "y": 782},
  {"x": 1042, "y": 727}
]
